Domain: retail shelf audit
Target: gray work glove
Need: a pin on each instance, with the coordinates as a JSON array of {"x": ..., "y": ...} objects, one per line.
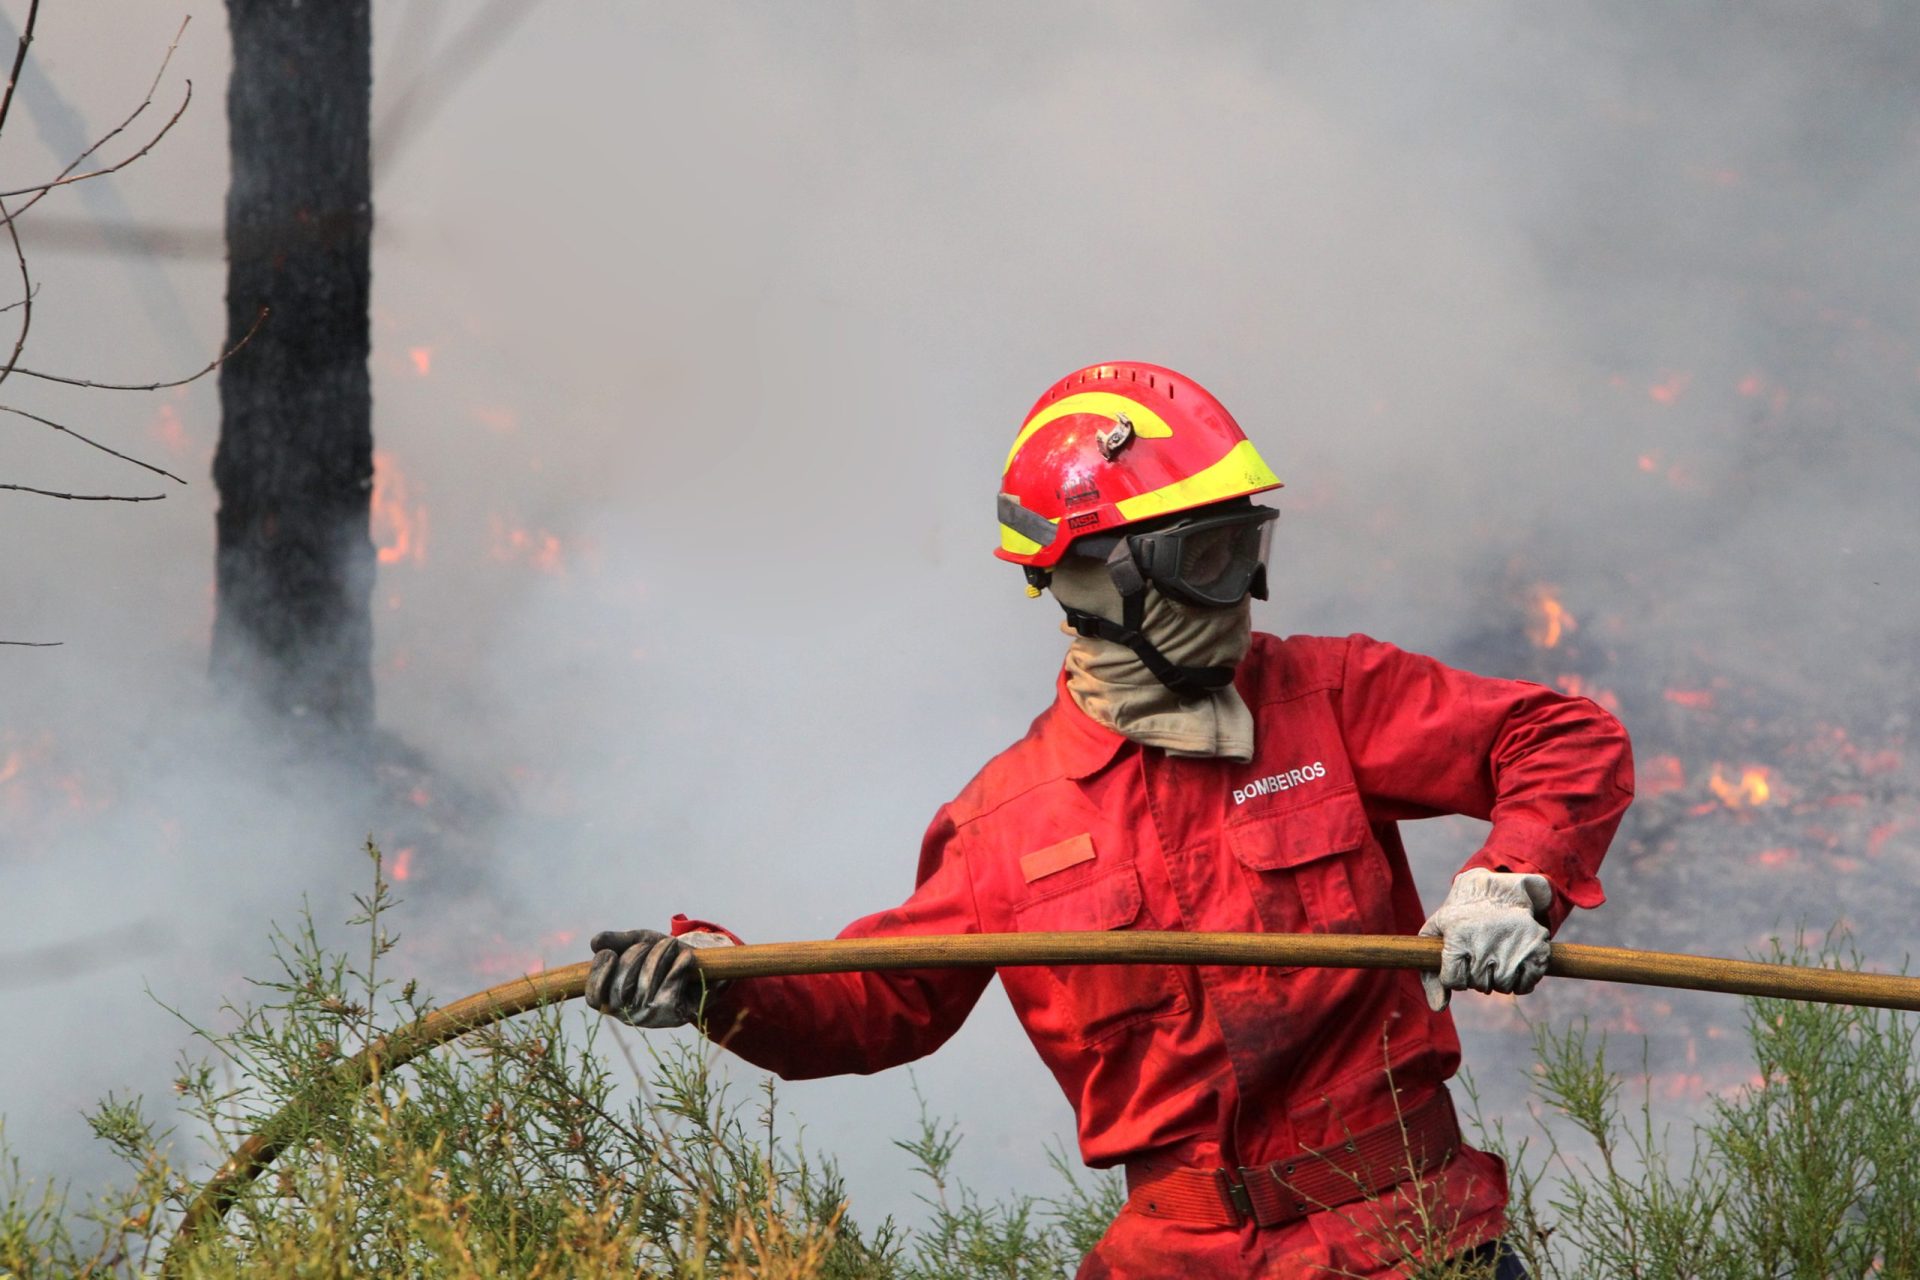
[
  {"x": 647, "y": 979},
  {"x": 1493, "y": 935}
]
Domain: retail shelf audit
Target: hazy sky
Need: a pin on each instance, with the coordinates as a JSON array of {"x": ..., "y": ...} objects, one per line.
[{"x": 700, "y": 334}]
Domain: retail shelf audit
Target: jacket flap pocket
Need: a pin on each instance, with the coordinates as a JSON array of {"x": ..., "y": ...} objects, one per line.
[
  {"x": 1109, "y": 900},
  {"x": 1336, "y": 825}
]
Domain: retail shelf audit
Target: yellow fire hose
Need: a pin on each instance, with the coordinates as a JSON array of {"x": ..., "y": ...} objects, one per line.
[{"x": 991, "y": 950}]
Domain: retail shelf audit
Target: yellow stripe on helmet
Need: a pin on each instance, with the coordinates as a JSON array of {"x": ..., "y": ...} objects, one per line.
[
  {"x": 1145, "y": 421},
  {"x": 1241, "y": 472},
  {"x": 1016, "y": 543}
]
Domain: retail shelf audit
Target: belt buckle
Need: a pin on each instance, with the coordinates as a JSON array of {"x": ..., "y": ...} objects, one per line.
[{"x": 1235, "y": 1193}]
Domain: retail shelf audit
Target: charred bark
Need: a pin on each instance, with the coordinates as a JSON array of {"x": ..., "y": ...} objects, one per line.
[{"x": 294, "y": 467}]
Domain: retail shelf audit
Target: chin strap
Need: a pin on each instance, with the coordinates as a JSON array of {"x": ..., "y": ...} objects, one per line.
[{"x": 1188, "y": 682}]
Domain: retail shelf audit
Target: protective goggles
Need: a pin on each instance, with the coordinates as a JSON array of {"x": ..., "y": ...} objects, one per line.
[{"x": 1212, "y": 560}]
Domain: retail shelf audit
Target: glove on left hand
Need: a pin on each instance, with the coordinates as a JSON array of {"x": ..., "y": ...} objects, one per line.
[
  {"x": 647, "y": 979},
  {"x": 1493, "y": 937}
]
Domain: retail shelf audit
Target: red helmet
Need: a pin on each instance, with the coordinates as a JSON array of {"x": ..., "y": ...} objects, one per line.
[{"x": 1113, "y": 445}]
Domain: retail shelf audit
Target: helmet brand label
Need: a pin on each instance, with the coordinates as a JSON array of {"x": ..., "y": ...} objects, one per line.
[
  {"x": 1280, "y": 782},
  {"x": 1084, "y": 519}
]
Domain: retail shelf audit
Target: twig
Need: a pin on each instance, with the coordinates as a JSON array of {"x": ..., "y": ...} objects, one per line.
[
  {"x": 26, "y": 294},
  {"x": 41, "y": 188},
  {"x": 85, "y": 497},
  {"x": 19, "y": 61},
  {"x": 17, "y": 302},
  {"x": 91, "y": 442},
  {"x": 34, "y": 644},
  {"x": 124, "y": 124},
  {"x": 217, "y": 361}
]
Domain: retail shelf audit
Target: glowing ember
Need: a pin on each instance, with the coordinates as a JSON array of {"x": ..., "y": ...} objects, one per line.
[
  {"x": 399, "y": 529},
  {"x": 1691, "y": 699},
  {"x": 1779, "y": 857},
  {"x": 543, "y": 550},
  {"x": 11, "y": 766},
  {"x": 422, "y": 358},
  {"x": 168, "y": 430},
  {"x": 1749, "y": 789},
  {"x": 403, "y": 863},
  {"x": 1551, "y": 621},
  {"x": 1671, "y": 388}
]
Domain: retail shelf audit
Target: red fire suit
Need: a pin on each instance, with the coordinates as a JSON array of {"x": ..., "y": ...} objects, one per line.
[{"x": 1075, "y": 827}]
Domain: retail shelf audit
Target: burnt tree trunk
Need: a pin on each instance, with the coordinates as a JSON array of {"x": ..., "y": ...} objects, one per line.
[{"x": 295, "y": 562}]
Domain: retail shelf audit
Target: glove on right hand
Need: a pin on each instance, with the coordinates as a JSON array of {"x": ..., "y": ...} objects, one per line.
[{"x": 647, "y": 979}]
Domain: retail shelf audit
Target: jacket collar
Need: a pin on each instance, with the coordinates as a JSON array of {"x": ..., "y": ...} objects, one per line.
[{"x": 1081, "y": 745}]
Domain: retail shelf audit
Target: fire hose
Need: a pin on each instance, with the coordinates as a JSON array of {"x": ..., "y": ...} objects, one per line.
[{"x": 1000, "y": 950}]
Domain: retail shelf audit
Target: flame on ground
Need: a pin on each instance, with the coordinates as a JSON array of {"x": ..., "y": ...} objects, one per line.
[
  {"x": 1751, "y": 788},
  {"x": 399, "y": 529},
  {"x": 1550, "y": 622}
]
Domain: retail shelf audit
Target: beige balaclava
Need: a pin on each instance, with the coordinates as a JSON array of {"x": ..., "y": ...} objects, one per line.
[{"x": 1110, "y": 683}]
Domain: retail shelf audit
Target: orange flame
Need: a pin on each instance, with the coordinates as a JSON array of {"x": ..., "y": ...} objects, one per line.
[
  {"x": 422, "y": 358},
  {"x": 1751, "y": 788},
  {"x": 1551, "y": 621},
  {"x": 403, "y": 863},
  {"x": 10, "y": 767},
  {"x": 399, "y": 530}
]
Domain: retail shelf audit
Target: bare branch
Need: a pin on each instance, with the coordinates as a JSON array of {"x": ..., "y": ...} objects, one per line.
[
  {"x": 90, "y": 441},
  {"x": 122, "y": 127},
  {"x": 20, "y": 302},
  {"x": 19, "y": 61},
  {"x": 26, "y": 293},
  {"x": 39, "y": 189},
  {"x": 33, "y": 644},
  {"x": 217, "y": 361},
  {"x": 86, "y": 497}
]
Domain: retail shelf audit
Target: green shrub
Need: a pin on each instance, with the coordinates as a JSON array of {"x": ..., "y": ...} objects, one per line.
[
  {"x": 1812, "y": 1171},
  {"x": 511, "y": 1153},
  {"x": 514, "y": 1153}
]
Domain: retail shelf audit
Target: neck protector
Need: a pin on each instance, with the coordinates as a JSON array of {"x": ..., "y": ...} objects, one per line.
[{"x": 1118, "y": 672}]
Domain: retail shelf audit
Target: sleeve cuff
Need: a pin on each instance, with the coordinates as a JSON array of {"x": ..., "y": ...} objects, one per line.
[
  {"x": 686, "y": 924},
  {"x": 1534, "y": 854}
]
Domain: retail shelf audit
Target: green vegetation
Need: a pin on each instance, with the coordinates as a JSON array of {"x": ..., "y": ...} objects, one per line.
[
  {"x": 1812, "y": 1171},
  {"x": 516, "y": 1154}
]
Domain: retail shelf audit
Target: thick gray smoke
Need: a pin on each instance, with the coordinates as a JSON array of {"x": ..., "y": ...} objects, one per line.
[{"x": 700, "y": 336}]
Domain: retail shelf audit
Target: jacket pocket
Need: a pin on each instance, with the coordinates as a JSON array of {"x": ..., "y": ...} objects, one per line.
[
  {"x": 1091, "y": 1002},
  {"x": 1308, "y": 870}
]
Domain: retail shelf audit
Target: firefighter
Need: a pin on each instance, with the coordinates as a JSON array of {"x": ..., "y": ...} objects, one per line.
[{"x": 1192, "y": 774}]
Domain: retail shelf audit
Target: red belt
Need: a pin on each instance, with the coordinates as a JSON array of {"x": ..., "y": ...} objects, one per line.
[{"x": 1420, "y": 1139}]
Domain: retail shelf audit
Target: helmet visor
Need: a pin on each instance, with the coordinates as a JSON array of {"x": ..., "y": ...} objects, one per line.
[{"x": 1212, "y": 561}]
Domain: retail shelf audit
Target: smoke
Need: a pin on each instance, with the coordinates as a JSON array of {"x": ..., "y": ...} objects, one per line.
[{"x": 727, "y": 320}]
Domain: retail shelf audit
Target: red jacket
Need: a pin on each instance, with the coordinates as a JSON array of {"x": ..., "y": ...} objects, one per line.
[{"x": 1075, "y": 827}]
